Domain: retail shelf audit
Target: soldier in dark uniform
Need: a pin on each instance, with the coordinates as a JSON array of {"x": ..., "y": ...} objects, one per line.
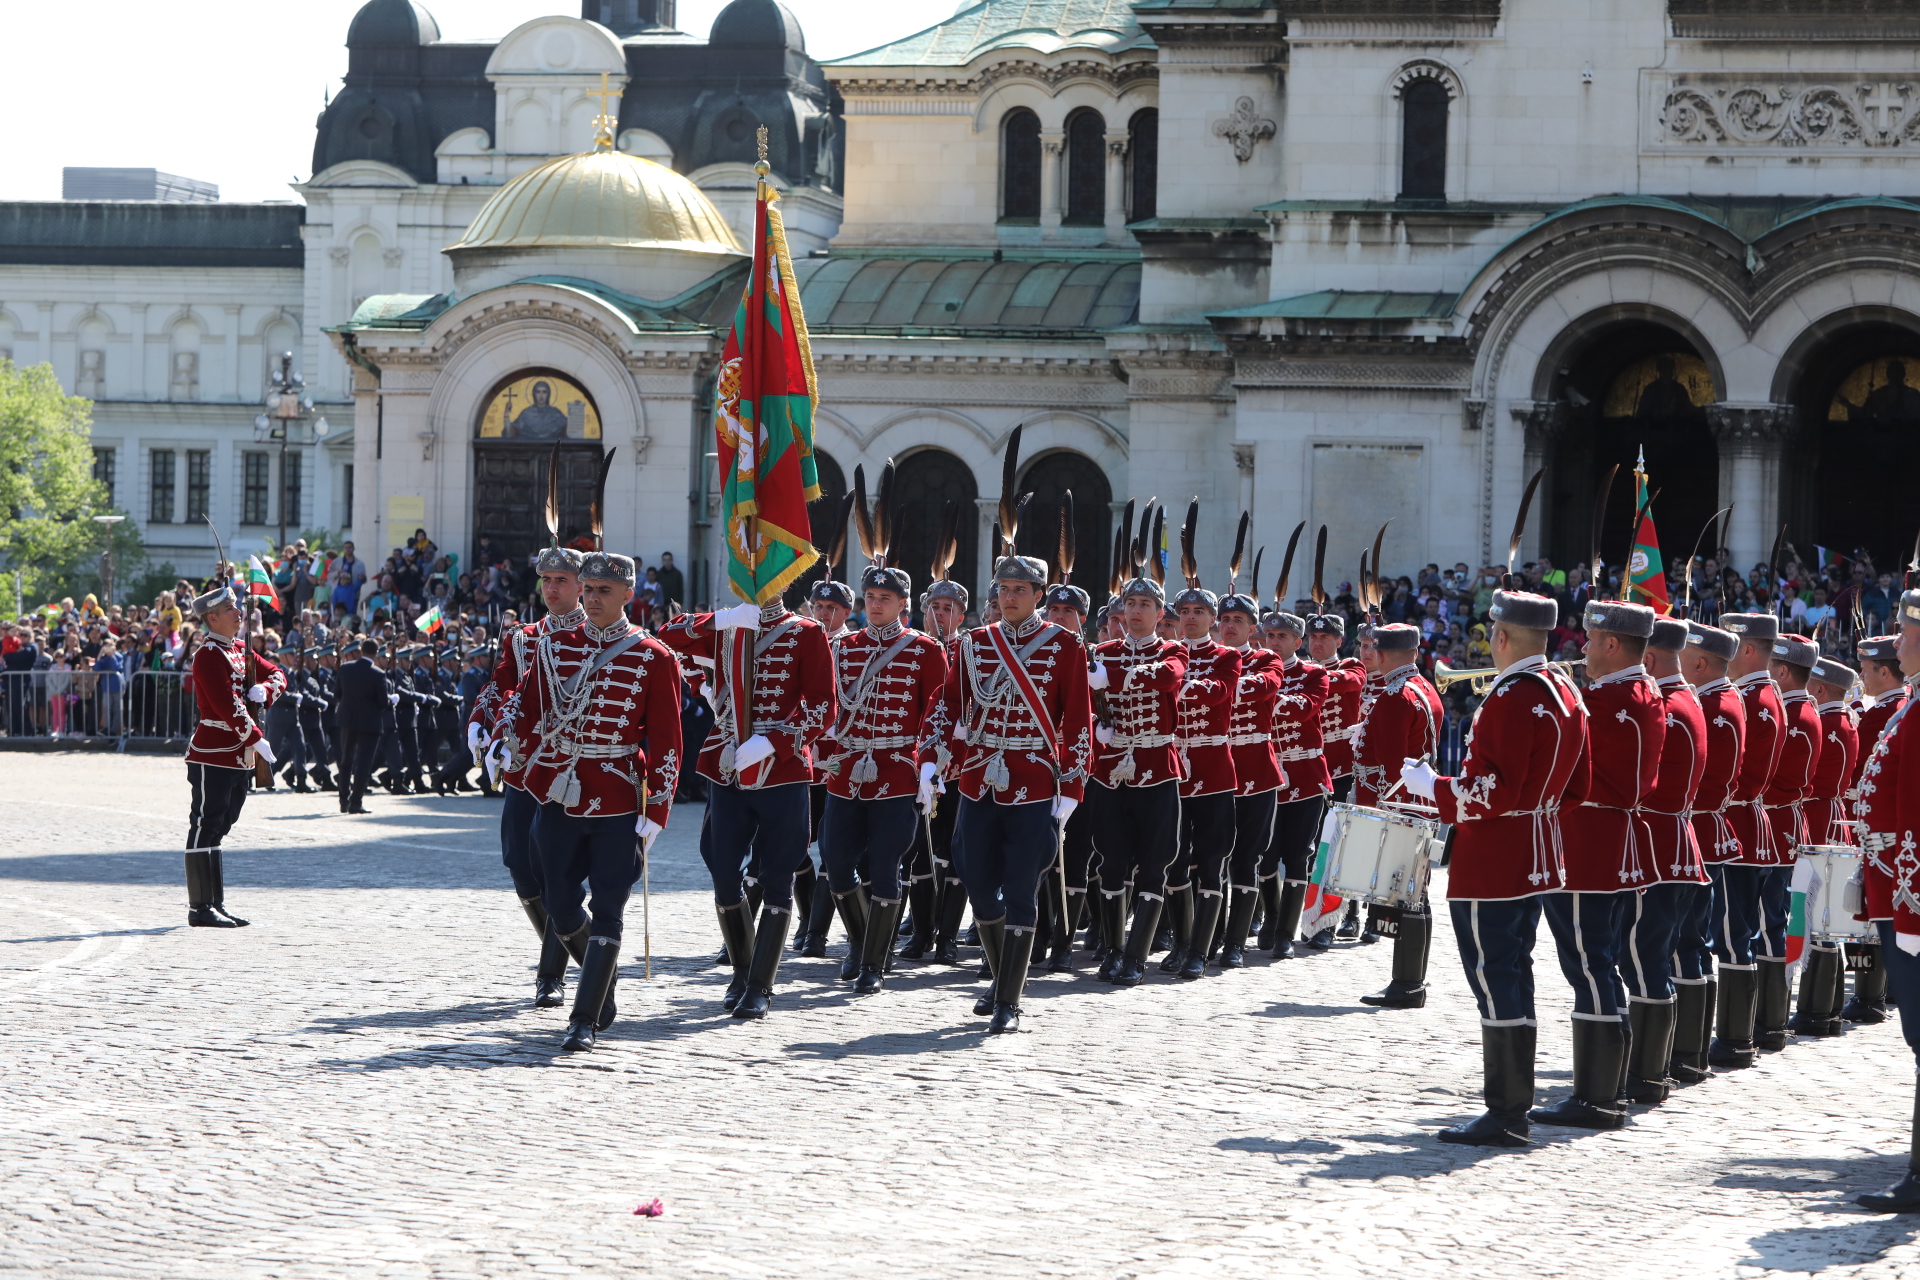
[
  {"x": 361, "y": 702},
  {"x": 315, "y": 701},
  {"x": 448, "y": 714},
  {"x": 283, "y": 721},
  {"x": 406, "y": 720},
  {"x": 329, "y": 673},
  {"x": 387, "y": 753}
]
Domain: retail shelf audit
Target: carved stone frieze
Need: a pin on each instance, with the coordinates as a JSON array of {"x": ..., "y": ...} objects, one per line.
[
  {"x": 1473, "y": 414},
  {"x": 1400, "y": 375},
  {"x": 1544, "y": 421},
  {"x": 1243, "y": 128},
  {"x": 1794, "y": 110},
  {"x": 1749, "y": 426},
  {"x": 1052, "y": 75}
]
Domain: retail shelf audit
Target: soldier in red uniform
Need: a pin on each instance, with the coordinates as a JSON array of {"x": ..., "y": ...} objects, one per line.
[
  {"x": 594, "y": 732},
  {"x": 1066, "y": 607},
  {"x": 772, "y": 694},
  {"x": 829, "y": 603},
  {"x": 559, "y": 570},
  {"x": 1256, "y": 764},
  {"x": 1609, "y": 856},
  {"x": 1299, "y": 722},
  {"x": 1402, "y": 723},
  {"x": 1135, "y": 795},
  {"x": 1505, "y": 806},
  {"x": 1350, "y": 684},
  {"x": 887, "y": 676},
  {"x": 1697, "y": 938},
  {"x": 1203, "y": 710},
  {"x": 1823, "y": 979},
  {"x": 944, "y": 607},
  {"x": 1784, "y": 797},
  {"x": 1017, "y": 704},
  {"x": 1889, "y": 809},
  {"x": 1653, "y": 918},
  {"x": 227, "y": 681},
  {"x": 1886, "y": 691}
]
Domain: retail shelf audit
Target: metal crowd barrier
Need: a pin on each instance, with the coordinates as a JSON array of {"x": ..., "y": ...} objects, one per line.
[{"x": 76, "y": 705}]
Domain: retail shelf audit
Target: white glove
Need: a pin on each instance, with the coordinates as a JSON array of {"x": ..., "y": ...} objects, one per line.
[
  {"x": 393, "y": 699},
  {"x": 648, "y": 830},
  {"x": 741, "y": 615},
  {"x": 476, "y": 740},
  {"x": 257, "y": 694},
  {"x": 1418, "y": 777},
  {"x": 497, "y": 761},
  {"x": 751, "y": 752},
  {"x": 928, "y": 771},
  {"x": 1063, "y": 807},
  {"x": 1908, "y": 942},
  {"x": 1103, "y": 734},
  {"x": 264, "y": 751},
  {"x": 1097, "y": 678}
]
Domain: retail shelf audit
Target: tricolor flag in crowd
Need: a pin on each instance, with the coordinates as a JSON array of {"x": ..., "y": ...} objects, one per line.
[
  {"x": 430, "y": 621},
  {"x": 260, "y": 582}
]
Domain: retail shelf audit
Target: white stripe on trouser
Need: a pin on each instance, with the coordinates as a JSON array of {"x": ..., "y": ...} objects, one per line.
[
  {"x": 1633, "y": 952},
  {"x": 1726, "y": 927},
  {"x": 1480, "y": 976},
  {"x": 1586, "y": 967},
  {"x": 196, "y": 811}
]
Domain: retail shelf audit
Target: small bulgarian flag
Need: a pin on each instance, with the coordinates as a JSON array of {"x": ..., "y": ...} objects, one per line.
[
  {"x": 429, "y": 621},
  {"x": 1800, "y": 887},
  {"x": 1319, "y": 906},
  {"x": 260, "y": 582}
]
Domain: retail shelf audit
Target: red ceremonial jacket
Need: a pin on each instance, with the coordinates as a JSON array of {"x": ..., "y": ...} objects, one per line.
[
  {"x": 509, "y": 667},
  {"x": 792, "y": 692},
  {"x": 1766, "y": 736},
  {"x": 1826, "y": 806},
  {"x": 1726, "y": 717},
  {"x": 984, "y": 711},
  {"x": 585, "y": 743},
  {"x": 1402, "y": 724},
  {"x": 872, "y": 750},
  {"x": 1873, "y": 722},
  {"x": 1683, "y": 763},
  {"x": 1256, "y": 766},
  {"x": 1299, "y": 715},
  {"x": 223, "y": 671},
  {"x": 1340, "y": 713},
  {"x": 1204, "y": 707},
  {"x": 1142, "y": 678},
  {"x": 1889, "y": 806},
  {"x": 1523, "y": 745},
  {"x": 1608, "y": 846},
  {"x": 1792, "y": 782}
]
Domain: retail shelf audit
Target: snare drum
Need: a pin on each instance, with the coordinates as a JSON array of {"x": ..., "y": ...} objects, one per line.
[
  {"x": 1829, "y": 877},
  {"x": 1378, "y": 855}
]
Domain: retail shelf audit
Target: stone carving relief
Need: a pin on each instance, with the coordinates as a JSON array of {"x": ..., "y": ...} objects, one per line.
[
  {"x": 184, "y": 383},
  {"x": 1828, "y": 112},
  {"x": 93, "y": 375},
  {"x": 1244, "y": 128}
]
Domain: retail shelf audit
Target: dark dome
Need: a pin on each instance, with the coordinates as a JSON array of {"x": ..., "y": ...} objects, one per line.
[
  {"x": 390, "y": 23},
  {"x": 757, "y": 24}
]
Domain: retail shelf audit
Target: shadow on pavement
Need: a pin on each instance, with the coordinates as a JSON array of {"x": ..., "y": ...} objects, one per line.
[{"x": 1818, "y": 1249}]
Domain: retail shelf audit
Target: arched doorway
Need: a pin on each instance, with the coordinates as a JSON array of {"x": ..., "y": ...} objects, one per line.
[
  {"x": 927, "y": 484},
  {"x": 821, "y": 515},
  {"x": 1047, "y": 478},
  {"x": 1855, "y": 446},
  {"x": 523, "y": 418},
  {"x": 1630, "y": 387}
]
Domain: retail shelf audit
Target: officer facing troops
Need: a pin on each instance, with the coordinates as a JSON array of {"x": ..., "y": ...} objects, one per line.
[{"x": 1823, "y": 977}]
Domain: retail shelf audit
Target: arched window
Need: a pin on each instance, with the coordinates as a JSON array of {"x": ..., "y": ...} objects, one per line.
[
  {"x": 1020, "y": 167},
  {"x": 1143, "y": 155},
  {"x": 1047, "y": 479},
  {"x": 1086, "y": 169},
  {"x": 929, "y": 483},
  {"x": 1423, "y": 140},
  {"x": 821, "y": 513}
]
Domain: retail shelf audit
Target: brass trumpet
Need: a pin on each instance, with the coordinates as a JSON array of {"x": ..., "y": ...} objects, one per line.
[{"x": 1445, "y": 677}]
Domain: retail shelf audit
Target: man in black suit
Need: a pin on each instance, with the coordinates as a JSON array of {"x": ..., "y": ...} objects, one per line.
[{"x": 361, "y": 702}]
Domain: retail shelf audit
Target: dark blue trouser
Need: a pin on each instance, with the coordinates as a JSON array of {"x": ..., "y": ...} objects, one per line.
[
  {"x": 517, "y": 853},
  {"x": 1903, "y": 984},
  {"x": 604, "y": 852},
  {"x": 1736, "y": 912},
  {"x": 1080, "y": 851},
  {"x": 1776, "y": 899},
  {"x": 866, "y": 841},
  {"x": 1009, "y": 847},
  {"x": 1649, "y": 923},
  {"x": 1693, "y": 933},
  {"x": 1586, "y": 933},
  {"x": 1296, "y": 837},
  {"x": 768, "y": 827},
  {"x": 1496, "y": 950},
  {"x": 1137, "y": 830},
  {"x": 1252, "y": 836},
  {"x": 1206, "y": 842}
]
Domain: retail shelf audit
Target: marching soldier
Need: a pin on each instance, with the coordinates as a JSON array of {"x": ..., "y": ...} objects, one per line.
[
  {"x": 330, "y": 716},
  {"x": 594, "y": 732},
  {"x": 450, "y": 778},
  {"x": 316, "y": 697},
  {"x": 227, "y": 682},
  {"x": 1883, "y": 683},
  {"x": 1349, "y": 680},
  {"x": 406, "y": 719},
  {"x": 1505, "y": 806},
  {"x": 830, "y": 603},
  {"x": 944, "y": 607},
  {"x": 1299, "y": 720},
  {"x": 1066, "y": 607},
  {"x": 1823, "y": 980},
  {"x": 1258, "y": 778},
  {"x": 1784, "y": 798},
  {"x": 360, "y": 695},
  {"x": 283, "y": 720},
  {"x": 1703, "y": 933}
]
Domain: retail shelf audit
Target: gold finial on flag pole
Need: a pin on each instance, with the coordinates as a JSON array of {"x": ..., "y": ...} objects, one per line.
[{"x": 762, "y": 168}]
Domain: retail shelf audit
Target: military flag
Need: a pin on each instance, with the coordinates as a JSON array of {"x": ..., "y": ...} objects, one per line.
[{"x": 1646, "y": 572}]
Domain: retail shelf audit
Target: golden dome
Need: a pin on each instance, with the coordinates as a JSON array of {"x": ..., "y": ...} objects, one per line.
[{"x": 600, "y": 198}]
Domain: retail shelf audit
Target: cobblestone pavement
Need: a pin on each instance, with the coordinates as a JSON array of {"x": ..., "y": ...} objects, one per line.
[{"x": 357, "y": 1086}]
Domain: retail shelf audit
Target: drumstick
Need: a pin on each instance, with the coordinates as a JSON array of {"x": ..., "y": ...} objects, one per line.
[{"x": 1425, "y": 758}]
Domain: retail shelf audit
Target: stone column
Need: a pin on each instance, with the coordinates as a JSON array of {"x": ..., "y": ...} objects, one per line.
[
  {"x": 139, "y": 340},
  {"x": 1053, "y": 146},
  {"x": 1751, "y": 438},
  {"x": 1117, "y": 189},
  {"x": 46, "y": 333},
  {"x": 237, "y": 389},
  {"x": 1243, "y": 459}
]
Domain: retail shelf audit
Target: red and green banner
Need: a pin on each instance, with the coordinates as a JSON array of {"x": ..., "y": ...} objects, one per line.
[
  {"x": 1646, "y": 572},
  {"x": 763, "y": 418},
  {"x": 259, "y": 583}
]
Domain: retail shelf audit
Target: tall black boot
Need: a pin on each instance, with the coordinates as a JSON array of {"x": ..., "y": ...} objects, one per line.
[
  {"x": 923, "y": 897},
  {"x": 1733, "y": 1044},
  {"x": 1286, "y": 932},
  {"x": 1133, "y": 960},
  {"x": 1904, "y": 1195},
  {"x": 575, "y": 943},
  {"x": 993, "y": 938},
  {"x": 877, "y": 944},
  {"x": 1819, "y": 1012},
  {"x": 804, "y": 889},
  {"x": 1869, "y": 1002},
  {"x": 1692, "y": 1030},
  {"x": 536, "y": 915},
  {"x": 1506, "y": 1066},
  {"x": 819, "y": 922},
  {"x": 220, "y": 889},
  {"x": 1068, "y": 924},
  {"x": 550, "y": 975},
  {"x": 1233, "y": 951},
  {"x": 1180, "y": 908},
  {"x": 1772, "y": 1012},
  {"x": 852, "y": 906},
  {"x": 1206, "y": 922},
  {"x": 322, "y": 779},
  {"x": 590, "y": 997},
  {"x": 1650, "y": 1048},
  {"x": 200, "y": 912},
  {"x": 1010, "y": 979},
  {"x": 1112, "y": 910},
  {"x": 768, "y": 943},
  {"x": 736, "y": 926},
  {"x": 1408, "y": 987},
  {"x": 953, "y": 909},
  {"x": 1599, "y": 1044},
  {"x": 1269, "y": 896}
]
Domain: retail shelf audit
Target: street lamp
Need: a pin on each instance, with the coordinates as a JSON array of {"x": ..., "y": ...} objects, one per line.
[
  {"x": 106, "y": 560},
  {"x": 288, "y": 405}
]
